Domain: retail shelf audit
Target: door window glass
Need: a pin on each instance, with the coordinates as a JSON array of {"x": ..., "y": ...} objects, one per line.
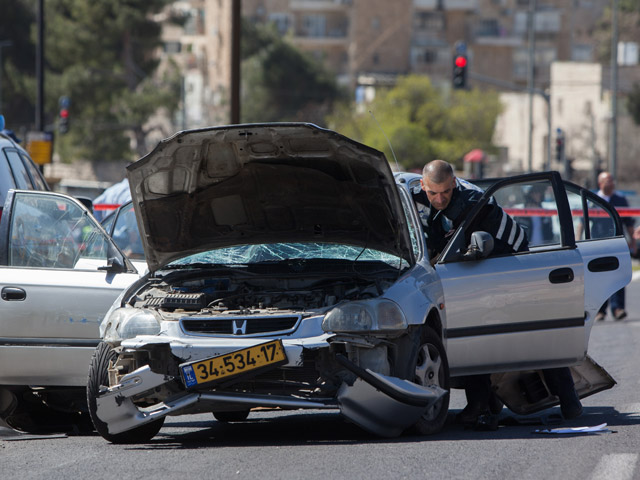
[
  {"x": 54, "y": 232},
  {"x": 533, "y": 206},
  {"x": 601, "y": 223}
]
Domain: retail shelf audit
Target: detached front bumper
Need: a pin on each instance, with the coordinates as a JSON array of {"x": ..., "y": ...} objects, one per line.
[{"x": 382, "y": 405}]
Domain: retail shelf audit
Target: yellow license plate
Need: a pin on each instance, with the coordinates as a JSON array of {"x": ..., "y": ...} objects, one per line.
[{"x": 223, "y": 367}]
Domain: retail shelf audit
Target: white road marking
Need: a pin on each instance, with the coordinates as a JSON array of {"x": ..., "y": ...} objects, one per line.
[{"x": 615, "y": 465}]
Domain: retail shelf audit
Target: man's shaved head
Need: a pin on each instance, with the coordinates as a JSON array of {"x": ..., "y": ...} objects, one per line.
[
  {"x": 438, "y": 171},
  {"x": 438, "y": 182}
]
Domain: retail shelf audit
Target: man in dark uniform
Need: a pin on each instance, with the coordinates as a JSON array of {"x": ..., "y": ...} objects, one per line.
[{"x": 443, "y": 203}]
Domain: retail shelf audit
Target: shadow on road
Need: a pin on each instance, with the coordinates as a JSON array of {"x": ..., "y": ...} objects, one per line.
[{"x": 330, "y": 428}]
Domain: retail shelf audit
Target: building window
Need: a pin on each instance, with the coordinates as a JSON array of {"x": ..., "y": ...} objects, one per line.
[
  {"x": 281, "y": 21},
  {"x": 375, "y": 59},
  {"x": 428, "y": 21},
  {"x": 430, "y": 56},
  {"x": 488, "y": 27},
  {"x": 375, "y": 23},
  {"x": 172, "y": 47},
  {"x": 547, "y": 21},
  {"x": 314, "y": 25}
]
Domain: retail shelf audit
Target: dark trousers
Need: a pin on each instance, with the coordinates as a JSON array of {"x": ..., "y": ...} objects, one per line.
[
  {"x": 616, "y": 300},
  {"x": 559, "y": 380}
]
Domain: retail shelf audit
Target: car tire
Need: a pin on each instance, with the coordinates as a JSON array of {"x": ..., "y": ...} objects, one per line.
[
  {"x": 99, "y": 376},
  {"x": 235, "y": 416},
  {"x": 44, "y": 410},
  {"x": 430, "y": 366}
]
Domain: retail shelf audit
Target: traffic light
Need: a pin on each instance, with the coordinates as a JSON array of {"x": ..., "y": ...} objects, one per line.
[
  {"x": 63, "y": 115},
  {"x": 559, "y": 145},
  {"x": 460, "y": 71}
]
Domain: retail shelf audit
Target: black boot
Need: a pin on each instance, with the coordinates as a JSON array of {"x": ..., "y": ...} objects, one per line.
[{"x": 478, "y": 391}]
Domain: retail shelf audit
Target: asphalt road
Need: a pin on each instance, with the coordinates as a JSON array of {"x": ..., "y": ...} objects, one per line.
[{"x": 320, "y": 445}]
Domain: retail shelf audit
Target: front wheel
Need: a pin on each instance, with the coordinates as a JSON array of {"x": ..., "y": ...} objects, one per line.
[
  {"x": 432, "y": 368},
  {"x": 98, "y": 376}
]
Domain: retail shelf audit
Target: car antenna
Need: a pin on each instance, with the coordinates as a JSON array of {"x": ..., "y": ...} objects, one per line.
[{"x": 385, "y": 136}]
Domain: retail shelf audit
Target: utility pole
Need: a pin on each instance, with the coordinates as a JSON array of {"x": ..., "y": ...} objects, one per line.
[
  {"x": 530, "y": 79},
  {"x": 613, "y": 137},
  {"x": 40, "y": 69},
  {"x": 235, "y": 61}
]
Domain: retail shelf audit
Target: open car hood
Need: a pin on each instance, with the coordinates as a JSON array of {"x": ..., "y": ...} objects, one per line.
[{"x": 264, "y": 183}]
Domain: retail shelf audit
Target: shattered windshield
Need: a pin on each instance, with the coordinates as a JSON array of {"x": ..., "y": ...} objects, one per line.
[{"x": 277, "y": 252}]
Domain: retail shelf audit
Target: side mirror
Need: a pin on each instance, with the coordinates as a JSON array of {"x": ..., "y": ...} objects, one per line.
[
  {"x": 480, "y": 246},
  {"x": 114, "y": 265},
  {"x": 87, "y": 202}
]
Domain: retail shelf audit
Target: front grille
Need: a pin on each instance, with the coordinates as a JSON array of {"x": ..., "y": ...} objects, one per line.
[{"x": 240, "y": 325}]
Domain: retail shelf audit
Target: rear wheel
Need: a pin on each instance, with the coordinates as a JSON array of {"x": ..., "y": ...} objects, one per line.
[
  {"x": 99, "y": 376},
  {"x": 45, "y": 410},
  {"x": 432, "y": 368},
  {"x": 236, "y": 416}
]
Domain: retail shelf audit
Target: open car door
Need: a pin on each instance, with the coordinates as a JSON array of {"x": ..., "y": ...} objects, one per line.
[{"x": 535, "y": 309}]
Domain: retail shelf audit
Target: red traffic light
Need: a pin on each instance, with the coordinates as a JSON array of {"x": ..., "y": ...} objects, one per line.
[
  {"x": 461, "y": 61},
  {"x": 64, "y": 113}
]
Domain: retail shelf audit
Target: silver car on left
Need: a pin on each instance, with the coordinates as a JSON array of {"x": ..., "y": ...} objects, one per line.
[{"x": 59, "y": 273}]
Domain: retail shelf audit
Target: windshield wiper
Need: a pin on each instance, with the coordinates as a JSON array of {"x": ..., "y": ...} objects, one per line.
[{"x": 203, "y": 266}]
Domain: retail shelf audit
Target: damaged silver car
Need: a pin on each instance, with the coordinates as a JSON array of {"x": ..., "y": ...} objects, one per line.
[{"x": 288, "y": 269}]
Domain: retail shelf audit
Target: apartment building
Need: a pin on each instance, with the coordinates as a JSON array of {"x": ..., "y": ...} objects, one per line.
[{"x": 370, "y": 42}]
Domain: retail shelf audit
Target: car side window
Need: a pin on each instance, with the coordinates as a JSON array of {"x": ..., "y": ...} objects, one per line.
[
  {"x": 38, "y": 181},
  {"x": 54, "y": 232},
  {"x": 126, "y": 234},
  {"x": 600, "y": 221},
  {"x": 23, "y": 182},
  {"x": 415, "y": 229}
]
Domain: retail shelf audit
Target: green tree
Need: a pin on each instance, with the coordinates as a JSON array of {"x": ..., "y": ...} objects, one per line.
[
  {"x": 628, "y": 28},
  {"x": 421, "y": 123},
  {"x": 280, "y": 83},
  {"x": 99, "y": 53},
  {"x": 18, "y": 63}
]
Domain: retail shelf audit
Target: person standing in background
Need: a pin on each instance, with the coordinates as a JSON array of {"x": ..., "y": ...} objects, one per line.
[{"x": 607, "y": 187}]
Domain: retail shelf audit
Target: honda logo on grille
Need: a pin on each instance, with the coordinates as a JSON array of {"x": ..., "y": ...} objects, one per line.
[{"x": 239, "y": 327}]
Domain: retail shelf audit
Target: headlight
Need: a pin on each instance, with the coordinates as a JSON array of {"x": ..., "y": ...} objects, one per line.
[
  {"x": 367, "y": 315},
  {"x": 126, "y": 323}
]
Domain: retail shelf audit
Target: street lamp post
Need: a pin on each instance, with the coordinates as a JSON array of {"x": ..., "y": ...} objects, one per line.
[
  {"x": 531, "y": 77},
  {"x": 613, "y": 137},
  {"x": 4, "y": 43}
]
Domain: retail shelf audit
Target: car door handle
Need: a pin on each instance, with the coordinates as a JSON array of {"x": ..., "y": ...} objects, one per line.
[
  {"x": 13, "y": 293},
  {"x": 604, "y": 264},
  {"x": 561, "y": 275}
]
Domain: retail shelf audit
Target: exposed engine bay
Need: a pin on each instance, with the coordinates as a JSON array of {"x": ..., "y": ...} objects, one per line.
[{"x": 244, "y": 294}]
